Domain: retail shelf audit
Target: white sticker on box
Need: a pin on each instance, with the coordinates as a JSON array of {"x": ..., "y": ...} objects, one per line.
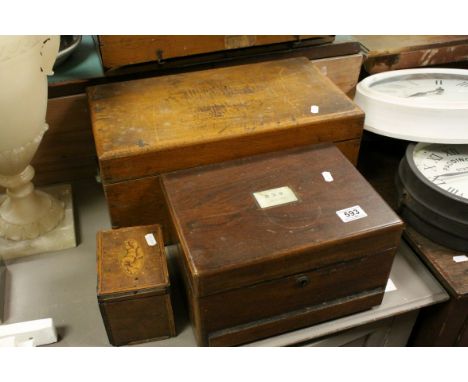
[
  {"x": 351, "y": 213},
  {"x": 275, "y": 197},
  {"x": 327, "y": 176},
  {"x": 150, "y": 240},
  {"x": 390, "y": 286},
  {"x": 460, "y": 259}
]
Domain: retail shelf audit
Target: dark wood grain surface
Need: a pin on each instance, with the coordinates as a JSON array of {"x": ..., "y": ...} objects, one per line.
[
  {"x": 286, "y": 294},
  {"x": 260, "y": 263},
  {"x": 208, "y": 202},
  {"x": 301, "y": 318},
  {"x": 138, "y": 320}
]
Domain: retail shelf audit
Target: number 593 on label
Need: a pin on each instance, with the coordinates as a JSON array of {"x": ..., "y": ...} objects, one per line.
[{"x": 351, "y": 213}]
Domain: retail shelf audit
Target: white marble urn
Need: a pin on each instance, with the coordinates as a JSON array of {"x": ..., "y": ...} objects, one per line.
[{"x": 25, "y": 63}]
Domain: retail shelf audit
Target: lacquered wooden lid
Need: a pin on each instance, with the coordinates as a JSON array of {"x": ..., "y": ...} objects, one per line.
[
  {"x": 131, "y": 260},
  {"x": 197, "y": 111},
  {"x": 225, "y": 229}
]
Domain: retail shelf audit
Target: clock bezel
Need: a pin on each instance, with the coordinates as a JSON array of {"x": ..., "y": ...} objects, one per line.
[
  {"x": 413, "y": 119},
  {"x": 365, "y": 87},
  {"x": 432, "y": 211}
]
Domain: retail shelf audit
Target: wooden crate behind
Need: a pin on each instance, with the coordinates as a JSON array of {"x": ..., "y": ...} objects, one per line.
[
  {"x": 67, "y": 150},
  {"x": 127, "y": 50},
  {"x": 253, "y": 270},
  {"x": 147, "y": 127},
  {"x": 343, "y": 71},
  {"x": 133, "y": 285},
  {"x": 385, "y": 53},
  {"x": 443, "y": 324}
]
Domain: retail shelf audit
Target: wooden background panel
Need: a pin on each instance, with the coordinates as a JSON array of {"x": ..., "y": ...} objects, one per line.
[
  {"x": 462, "y": 339},
  {"x": 350, "y": 149},
  {"x": 385, "y": 53},
  {"x": 139, "y": 202},
  {"x": 343, "y": 71},
  {"x": 442, "y": 325},
  {"x": 127, "y": 50},
  {"x": 383, "y": 45},
  {"x": 312, "y": 49},
  {"x": 67, "y": 150}
]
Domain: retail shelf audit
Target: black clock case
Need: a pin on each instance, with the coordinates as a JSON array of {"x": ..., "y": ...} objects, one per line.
[{"x": 432, "y": 211}]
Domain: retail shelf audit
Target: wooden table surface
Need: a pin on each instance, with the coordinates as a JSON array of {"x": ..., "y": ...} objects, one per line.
[{"x": 62, "y": 285}]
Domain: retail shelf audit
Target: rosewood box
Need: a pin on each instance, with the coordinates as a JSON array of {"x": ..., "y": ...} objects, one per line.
[
  {"x": 275, "y": 242},
  {"x": 133, "y": 285},
  {"x": 146, "y": 127}
]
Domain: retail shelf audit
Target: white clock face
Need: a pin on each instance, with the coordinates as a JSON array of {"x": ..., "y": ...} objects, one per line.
[
  {"x": 446, "y": 166},
  {"x": 425, "y": 87}
]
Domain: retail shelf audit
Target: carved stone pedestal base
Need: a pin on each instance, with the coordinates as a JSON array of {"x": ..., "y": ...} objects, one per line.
[
  {"x": 49, "y": 214},
  {"x": 62, "y": 237}
]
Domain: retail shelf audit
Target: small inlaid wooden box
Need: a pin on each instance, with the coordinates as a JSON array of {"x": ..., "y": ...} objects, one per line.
[
  {"x": 279, "y": 241},
  {"x": 147, "y": 127},
  {"x": 133, "y": 285}
]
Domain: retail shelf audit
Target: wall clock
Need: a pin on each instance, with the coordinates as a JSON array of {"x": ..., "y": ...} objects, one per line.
[
  {"x": 426, "y": 105},
  {"x": 422, "y": 105},
  {"x": 432, "y": 182}
]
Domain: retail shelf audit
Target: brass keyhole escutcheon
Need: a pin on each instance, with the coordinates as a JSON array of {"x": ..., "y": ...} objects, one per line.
[{"x": 302, "y": 281}]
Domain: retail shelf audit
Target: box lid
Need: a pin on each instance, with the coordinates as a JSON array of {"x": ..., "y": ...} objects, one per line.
[
  {"x": 131, "y": 261},
  {"x": 184, "y": 120},
  {"x": 258, "y": 218}
]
